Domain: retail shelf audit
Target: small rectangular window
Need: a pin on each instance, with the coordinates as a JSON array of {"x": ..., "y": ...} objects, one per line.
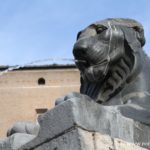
[{"x": 41, "y": 110}]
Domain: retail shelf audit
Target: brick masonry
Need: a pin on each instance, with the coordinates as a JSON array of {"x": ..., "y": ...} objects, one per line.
[{"x": 20, "y": 94}]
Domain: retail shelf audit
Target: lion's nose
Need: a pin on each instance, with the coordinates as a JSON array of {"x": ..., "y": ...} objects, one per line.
[{"x": 80, "y": 50}]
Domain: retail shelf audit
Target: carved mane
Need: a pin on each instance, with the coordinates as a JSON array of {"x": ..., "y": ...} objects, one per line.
[{"x": 114, "y": 68}]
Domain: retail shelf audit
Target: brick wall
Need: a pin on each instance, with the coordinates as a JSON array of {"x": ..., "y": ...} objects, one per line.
[{"x": 21, "y": 95}]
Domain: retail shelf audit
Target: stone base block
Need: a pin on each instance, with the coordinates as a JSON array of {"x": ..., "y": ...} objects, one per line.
[
  {"x": 79, "y": 139},
  {"x": 15, "y": 141},
  {"x": 65, "y": 122}
]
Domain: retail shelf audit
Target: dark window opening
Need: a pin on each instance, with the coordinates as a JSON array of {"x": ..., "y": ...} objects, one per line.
[
  {"x": 41, "y": 110},
  {"x": 41, "y": 81}
]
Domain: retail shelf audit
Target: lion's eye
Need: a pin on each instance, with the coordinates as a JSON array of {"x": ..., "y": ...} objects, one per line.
[{"x": 100, "y": 29}]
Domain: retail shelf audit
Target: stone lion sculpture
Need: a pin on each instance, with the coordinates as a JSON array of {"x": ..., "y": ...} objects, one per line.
[
  {"x": 24, "y": 127},
  {"x": 114, "y": 68},
  {"x": 114, "y": 72}
]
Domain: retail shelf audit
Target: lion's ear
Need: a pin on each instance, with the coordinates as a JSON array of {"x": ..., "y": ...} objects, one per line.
[
  {"x": 137, "y": 67},
  {"x": 78, "y": 35},
  {"x": 131, "y": 37},
  {"x": 140, "y": 34},
  {"x": 135, "y": 48}
]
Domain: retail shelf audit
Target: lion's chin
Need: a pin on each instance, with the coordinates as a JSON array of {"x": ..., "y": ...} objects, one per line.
[
  {"x": 102, "y": 87},
  {"x": 95, "y": 73},
  {"x": 92, "y": 85},
  {"x": 101, "y": 90}
]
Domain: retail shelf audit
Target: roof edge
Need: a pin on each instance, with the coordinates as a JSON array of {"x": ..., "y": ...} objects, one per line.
[{"x": 38, "y": 67}]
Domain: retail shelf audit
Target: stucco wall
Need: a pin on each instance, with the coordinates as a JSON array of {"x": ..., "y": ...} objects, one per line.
[{"x": 20, "y": 94}]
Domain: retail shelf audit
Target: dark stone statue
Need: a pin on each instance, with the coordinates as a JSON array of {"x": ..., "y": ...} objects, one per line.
[
  {"x": 24, "y": 127},
  {"x": 114, "y": 68},
  {"x": 114, "y": 96}
]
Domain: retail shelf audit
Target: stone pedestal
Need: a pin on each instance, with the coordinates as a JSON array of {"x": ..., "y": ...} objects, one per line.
[
  {"x": 15, "y": 141},
  {"x": 84, "y": 125},
  {"x": 79, "y": 139}
]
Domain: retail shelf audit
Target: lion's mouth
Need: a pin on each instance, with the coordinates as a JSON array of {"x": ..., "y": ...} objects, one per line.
[
  {"x": 103, "y": 81},
  {"x": 93, "y": 72},
  {"x": 93, "y": 76},
  {"x": 105, "y": 64}
]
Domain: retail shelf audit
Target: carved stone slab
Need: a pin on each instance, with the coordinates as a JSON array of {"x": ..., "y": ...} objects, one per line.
[{"x": 88, "y": 115}]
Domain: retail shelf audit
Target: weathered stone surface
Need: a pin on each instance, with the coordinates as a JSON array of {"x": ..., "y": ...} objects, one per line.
[
  {"x": 89, "y": 116},
  {"x": 79, "y": 139},
  {"x": 15, "y": 141},
  {"x": 122, "y": 145},
  {"x": 24, "y": 127},
  {"x": 76, "y": 139},
  {"x": 114, "y": 68},
  {"x": 86, "y": 139},
  {"x": 54, "y": 122},
  {"x": 67, "y": 141},
  {"x": 103, "y": 142}
]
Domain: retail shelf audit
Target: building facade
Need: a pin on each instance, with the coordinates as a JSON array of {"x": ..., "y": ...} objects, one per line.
[{"x": 32, "y": 90}]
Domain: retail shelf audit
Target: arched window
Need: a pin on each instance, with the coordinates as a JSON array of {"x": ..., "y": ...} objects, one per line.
[{"x": 41, "y": 81}]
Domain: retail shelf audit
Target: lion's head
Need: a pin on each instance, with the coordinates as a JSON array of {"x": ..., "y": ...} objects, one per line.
[{"x": 107, "y": 54}]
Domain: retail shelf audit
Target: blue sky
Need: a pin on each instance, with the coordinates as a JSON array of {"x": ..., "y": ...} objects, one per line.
[{"x": 37, "y": 29}]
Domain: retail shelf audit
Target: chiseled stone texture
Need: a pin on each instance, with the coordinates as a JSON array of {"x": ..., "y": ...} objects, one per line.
[
  {"x": 122, "y": 145},
  {"x": 82, "y": 125},
  {"x": 76, "y": 139},
  {"x": 15, "y": 141},
  {"x": 89, "y": 116},
  {"x": 105, "y": 142},
  {"x": 79, "y": 139}
]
